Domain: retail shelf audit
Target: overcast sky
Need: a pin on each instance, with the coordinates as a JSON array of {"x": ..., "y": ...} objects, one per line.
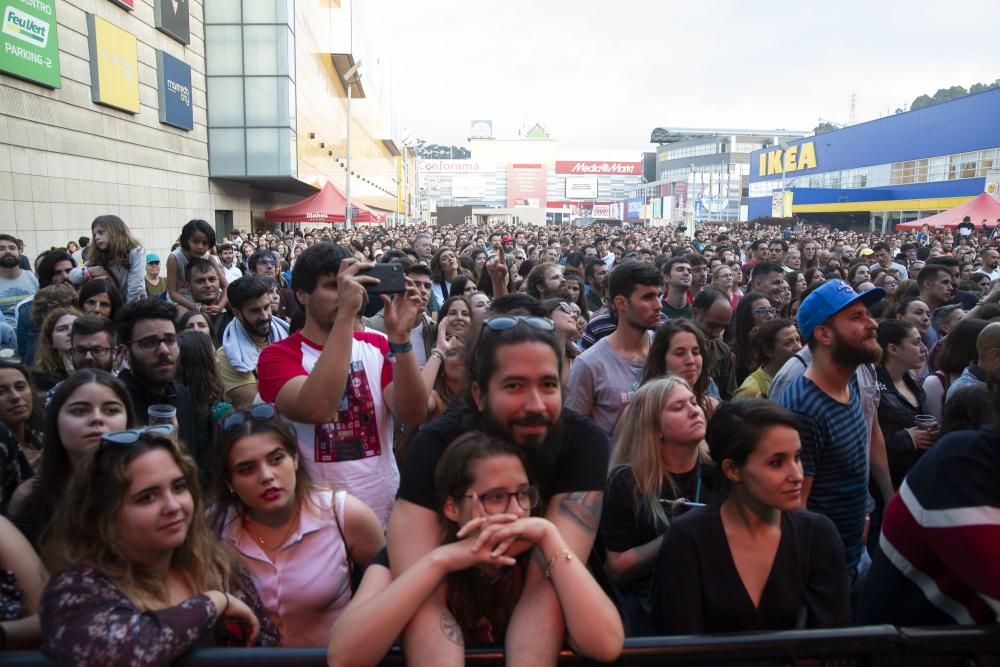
[{"x": 601, "y": 75}]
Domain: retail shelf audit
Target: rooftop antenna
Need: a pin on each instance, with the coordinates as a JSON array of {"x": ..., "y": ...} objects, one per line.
[{"x": 854, "y": 101}]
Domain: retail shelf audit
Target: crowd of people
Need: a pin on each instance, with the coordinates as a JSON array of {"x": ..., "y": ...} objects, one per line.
[{"x": 541, "y": 437}]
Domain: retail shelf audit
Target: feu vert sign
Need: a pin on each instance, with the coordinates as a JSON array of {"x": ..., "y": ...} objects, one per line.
[{"x": 29, "y": 47}]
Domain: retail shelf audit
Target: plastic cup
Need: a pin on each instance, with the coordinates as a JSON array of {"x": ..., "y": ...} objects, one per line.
[
  {"x": 925, "y": 422},
  {"x": 160, "y": 413}
]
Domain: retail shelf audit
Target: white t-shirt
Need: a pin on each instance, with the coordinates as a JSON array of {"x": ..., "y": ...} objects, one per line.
[{"x": 354, "y": 451}]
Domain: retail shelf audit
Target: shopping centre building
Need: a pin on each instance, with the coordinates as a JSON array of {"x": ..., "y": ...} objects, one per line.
[
  {"x": 883, "y": 172},
  {"x": 525, "y": 178},
  {"x": 161, "y": 111},
  {"x": 701, "y": 174}
]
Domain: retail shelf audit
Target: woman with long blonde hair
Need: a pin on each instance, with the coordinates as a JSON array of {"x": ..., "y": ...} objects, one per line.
[{"x": 659, "y": 469}]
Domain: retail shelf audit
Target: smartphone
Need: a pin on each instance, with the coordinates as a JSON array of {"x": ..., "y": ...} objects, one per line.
[{"x": 390, "y": 279}]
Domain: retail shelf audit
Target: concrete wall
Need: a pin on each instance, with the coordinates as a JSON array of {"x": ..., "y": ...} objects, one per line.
[{"x": 65, "y": 160}]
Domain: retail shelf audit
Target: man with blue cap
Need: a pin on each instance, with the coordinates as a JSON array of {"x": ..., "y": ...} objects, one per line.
[{"x": 827, "y": 399}]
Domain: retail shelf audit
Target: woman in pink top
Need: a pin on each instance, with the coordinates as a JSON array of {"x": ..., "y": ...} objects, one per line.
[{"x": 300, "y": 542}]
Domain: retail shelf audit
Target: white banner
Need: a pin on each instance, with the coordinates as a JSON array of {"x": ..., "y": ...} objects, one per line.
[
  {"x": 581, "y": 187},
  {"x": 992, "y": 187},
  {"x": 468, "y": 187}
]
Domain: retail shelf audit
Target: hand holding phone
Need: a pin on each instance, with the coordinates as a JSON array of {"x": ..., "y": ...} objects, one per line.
[{"x": 390, "y": 279}]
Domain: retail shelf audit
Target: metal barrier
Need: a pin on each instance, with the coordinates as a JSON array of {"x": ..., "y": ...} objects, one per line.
[{"x": 874, "y": 646}]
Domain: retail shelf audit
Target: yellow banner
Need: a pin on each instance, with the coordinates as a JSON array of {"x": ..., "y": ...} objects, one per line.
[{"x": 114, "y": 65}]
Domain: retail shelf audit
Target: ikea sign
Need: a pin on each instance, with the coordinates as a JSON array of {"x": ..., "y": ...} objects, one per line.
[{"x": 793, "y": 158}]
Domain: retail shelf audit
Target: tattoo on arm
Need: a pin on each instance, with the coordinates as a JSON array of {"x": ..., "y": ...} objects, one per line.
[
  {"x": 450, "y": 629},
  {"x": 584, "y": 507}
]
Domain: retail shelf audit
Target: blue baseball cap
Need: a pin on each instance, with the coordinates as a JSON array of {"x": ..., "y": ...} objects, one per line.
[
  {"x": 152, "y": 257},
  {"x": 829, "y": 299}
]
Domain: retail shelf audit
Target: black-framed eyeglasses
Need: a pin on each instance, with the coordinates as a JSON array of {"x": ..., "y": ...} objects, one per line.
[
  {"x": 504, "y": 322},
  {"x": 134, "y": 435},
  {"x": 759, "y": 312},
  {"x": 96, "y": 351},
  {"x": 150, "y": 343},
  {"x": 264, "y": 411},
  {"x": 498, "y": 502}
]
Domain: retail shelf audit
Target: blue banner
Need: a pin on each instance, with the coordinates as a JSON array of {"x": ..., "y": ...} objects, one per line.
[
  {"x": 174, "y": 82},
  {"x": 633, "y": 208}
]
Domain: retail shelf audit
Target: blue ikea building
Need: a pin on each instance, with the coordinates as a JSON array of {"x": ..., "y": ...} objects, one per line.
[{"x": 883, "y": 172}]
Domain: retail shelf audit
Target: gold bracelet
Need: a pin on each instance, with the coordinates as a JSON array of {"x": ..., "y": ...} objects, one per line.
[{"x": 552, "y": 561}]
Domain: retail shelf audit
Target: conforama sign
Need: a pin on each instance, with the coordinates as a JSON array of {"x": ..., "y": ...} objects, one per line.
[{"x": 599, "y": 168}]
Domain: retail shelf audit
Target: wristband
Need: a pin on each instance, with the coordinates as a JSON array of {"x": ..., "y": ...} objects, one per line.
[
  {"x": 566, "y": 551},
  {"x": 223, "y": 611},
  {"x": 400, "y": 348},
  {"x": 437, "y": 353}
]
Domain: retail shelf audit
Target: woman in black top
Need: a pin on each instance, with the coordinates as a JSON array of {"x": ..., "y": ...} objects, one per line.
[
  {"x": 757, "y": 561},
  {"x": 657, "y": 472},
  {"x": 902, "y": 398}
]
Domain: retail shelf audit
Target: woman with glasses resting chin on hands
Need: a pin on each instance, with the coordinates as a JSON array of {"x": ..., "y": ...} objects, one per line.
[
  {"x": 300, "y": 542},
  {"x": 139, "y": 578},
  {"x": 486, "y": 505}
]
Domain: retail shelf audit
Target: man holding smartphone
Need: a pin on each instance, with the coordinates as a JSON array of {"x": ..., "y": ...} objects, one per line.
[{"x": 342, "y": 386}]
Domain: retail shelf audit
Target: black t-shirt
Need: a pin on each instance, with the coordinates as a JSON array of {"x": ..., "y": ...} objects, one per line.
[
  {"x": 582, "y": 463},
  {"x": 626, "y": 523}
]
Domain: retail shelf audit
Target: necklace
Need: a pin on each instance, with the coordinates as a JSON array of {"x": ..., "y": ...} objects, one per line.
[{"x": 247, "y": 523}]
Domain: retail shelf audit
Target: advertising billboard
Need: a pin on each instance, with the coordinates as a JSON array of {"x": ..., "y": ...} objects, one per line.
[
  {"x": 468, "y": 186},
  {"x": 598, "y": 167},
  {"x": 29, "y": 46},
  {"x": 581, "y": 187},
  {"x": 125, "y": 4},
  {"x": 174, "y": 88},
  {"x": 657, "y": 207},
  {"x": 114, "y": 65},
  {"x": 526, "y": 185},
  {"x": 171, "y": 17},
  {"x": 633, "y": 208},
  {"x": 602, "y": 210}
]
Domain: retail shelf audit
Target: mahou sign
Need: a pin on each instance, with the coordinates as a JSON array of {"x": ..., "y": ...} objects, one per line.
[{"x": 599, "y": 168}]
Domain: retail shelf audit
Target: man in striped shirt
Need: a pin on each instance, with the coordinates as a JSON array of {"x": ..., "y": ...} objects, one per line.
[{"x": 834, "y": 320}]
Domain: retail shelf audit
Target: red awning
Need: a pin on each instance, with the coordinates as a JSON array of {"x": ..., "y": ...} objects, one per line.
[
  {"x": 977, "y": 209},
  {"x": 326, "y": 206}
]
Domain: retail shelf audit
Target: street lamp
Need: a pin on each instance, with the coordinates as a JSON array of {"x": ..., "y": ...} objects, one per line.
[{"x": 349, "y": 77}]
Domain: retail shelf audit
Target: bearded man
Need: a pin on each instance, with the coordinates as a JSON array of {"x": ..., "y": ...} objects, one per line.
[{"x": 841, "y": 335}]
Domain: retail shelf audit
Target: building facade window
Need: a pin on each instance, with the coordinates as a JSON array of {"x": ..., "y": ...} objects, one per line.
[{"x": 250, "y": 81}]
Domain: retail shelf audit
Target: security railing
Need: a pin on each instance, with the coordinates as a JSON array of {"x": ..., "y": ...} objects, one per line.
[{"x": 875, "y": 646}]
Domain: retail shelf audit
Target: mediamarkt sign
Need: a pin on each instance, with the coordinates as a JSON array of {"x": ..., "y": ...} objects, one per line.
[{"x": 599, "y": 168}]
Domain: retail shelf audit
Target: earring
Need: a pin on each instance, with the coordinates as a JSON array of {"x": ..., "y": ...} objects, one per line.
[{"x": 232, "y": 491}]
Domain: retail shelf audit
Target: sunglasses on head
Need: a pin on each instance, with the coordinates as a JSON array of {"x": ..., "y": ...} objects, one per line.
[
  {"x": 504, "y": 322},
  {"x": 263, "y": 412},
  {"x": 134, "y": 435},
  {"x": 565, "y": 307}
]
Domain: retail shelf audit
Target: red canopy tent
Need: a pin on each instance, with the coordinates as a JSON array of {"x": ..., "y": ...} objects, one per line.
[
  {"x": 977, "y": 209},
  {"x": 326, "y": 206}
]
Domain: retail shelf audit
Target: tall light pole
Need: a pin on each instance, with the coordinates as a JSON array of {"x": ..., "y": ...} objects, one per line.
[{"x": 348, "y": 79}]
